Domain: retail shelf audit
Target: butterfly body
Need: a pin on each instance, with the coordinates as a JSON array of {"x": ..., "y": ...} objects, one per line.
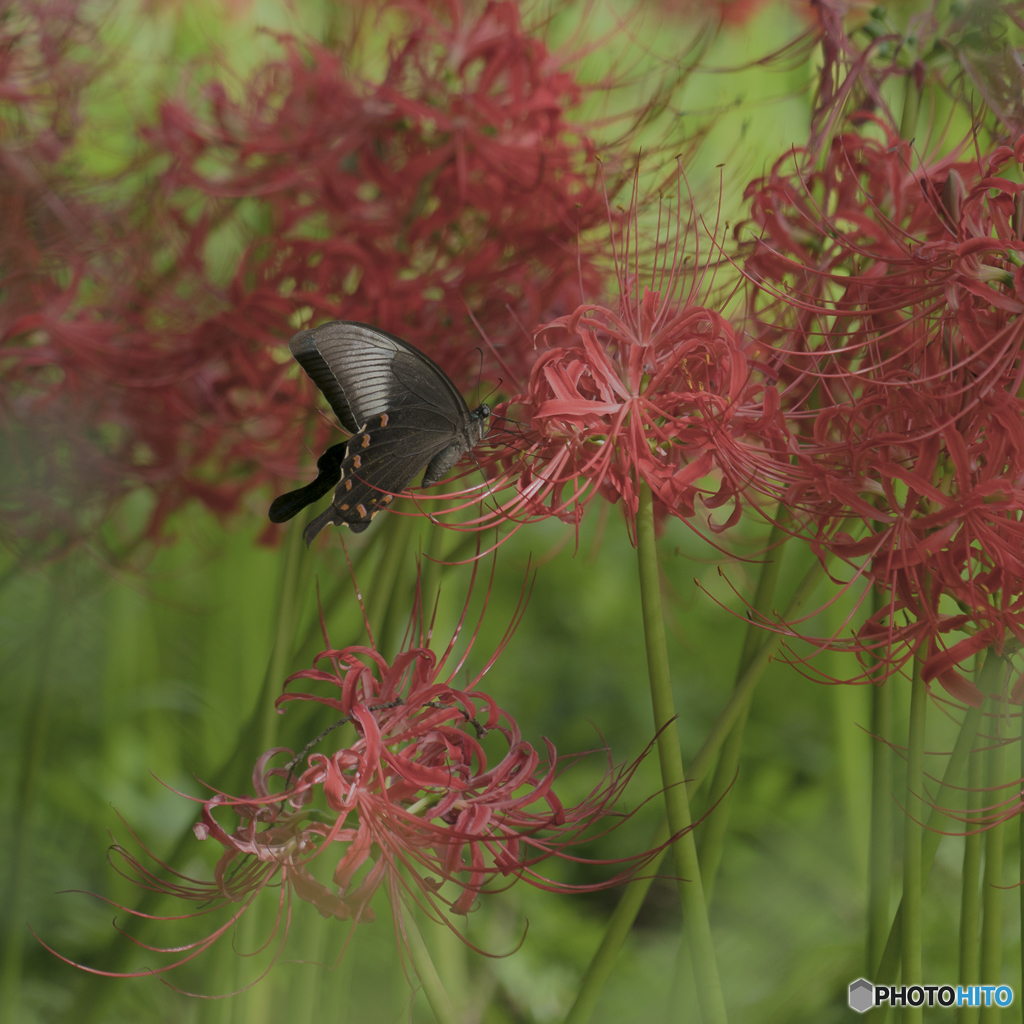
[{"x": 404, "y": 412}]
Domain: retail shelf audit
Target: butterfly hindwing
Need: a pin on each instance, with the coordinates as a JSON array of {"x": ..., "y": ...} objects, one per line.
[
  {"x": 328, "y": 466},
  {"x": 381, "y": 461}
]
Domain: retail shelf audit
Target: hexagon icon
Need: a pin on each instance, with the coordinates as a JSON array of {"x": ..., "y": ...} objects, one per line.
[{"x": 862, "y": 995}]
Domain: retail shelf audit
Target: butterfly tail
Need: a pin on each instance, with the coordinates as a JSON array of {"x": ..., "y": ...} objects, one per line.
[
  {"x": 326, "y": 518},
  {"x": 288, "y": 505}
]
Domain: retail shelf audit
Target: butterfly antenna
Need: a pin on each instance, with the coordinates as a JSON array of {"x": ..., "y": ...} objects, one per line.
[
  {"x": 501, "y": 380},
  {"x": 490, "y": 344}
]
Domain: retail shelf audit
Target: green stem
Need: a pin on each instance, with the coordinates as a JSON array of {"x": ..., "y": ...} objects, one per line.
[
  {"x": 449, "y": 954},
  {"x": 744, "y": 689},
  {"x": 913, "y": 871},
  {"x": 382, "y": 607},
  {"x": 304, "y": 986},
  {"x": 619, "y": 926},
  {"x": 992, "y": 885},
  {"x": 715, "y": 826},
  {"x": 950, "y": 795},
  {"x": 911, "y": 105},
  {"x": 677, "y": 807},
  {"x": 431, "y": 567},
  {"x": 970, "y": 896},
  {"x": 880, "y": 853},
  {"x": 426, "y": 971},
  {"x": 621, "y": 922},
  {"x": 335, "y": 594},
  {"x": 285, "y": 630},
  {"x": 31, "y": 763},
  {"x": 253, "y": 1005}
]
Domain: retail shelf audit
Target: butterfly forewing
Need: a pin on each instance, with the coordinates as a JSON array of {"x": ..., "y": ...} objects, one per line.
[{"x": 364, "y": 372}]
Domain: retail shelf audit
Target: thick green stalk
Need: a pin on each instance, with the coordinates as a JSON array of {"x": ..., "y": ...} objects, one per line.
[
  {"x": 431, "y": 568},
  {"x": 382, "y": 606},
  {"x": 970, "y": 896},
  {"x": 253, "y": 1004},
  {"x": 695, "y": 912},
  {"x": 913, "y": 870},
  {"x": 335, "y": 594},
  {"x": 450, "y": 957},
  {"x": 426, "y": 971},
  {"x": 285, "y": 630},
  {"x": 880, "y": 852},
  {"x": 716, "y": 825},
  {"x": 992, "y": 899},
  {"x": 992, "y": 885},
  {"x": 852, "y": 760},
  {"x": 603, "y": 961},
  {"x": 911, "y": 106},
  {"x": 600, "y": 967},
  {"x": 336, "y": 992},
  {"x": 304, "y": 985},
  {"x": 950, "y": 795}
]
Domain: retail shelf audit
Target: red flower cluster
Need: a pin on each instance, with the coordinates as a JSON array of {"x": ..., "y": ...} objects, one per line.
[
  {"x": 451, "y": 179},
  {"x": 411, "y": 804},
  {"x": 887, "y": 304},
  {"x": 659, "y": 391}
]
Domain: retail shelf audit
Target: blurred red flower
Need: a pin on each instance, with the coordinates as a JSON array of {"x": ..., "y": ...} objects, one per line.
[
  {"x": 450, "y": 181},
  {"x": 886, "y": 300},
  {"x": 54, "y": 474}
]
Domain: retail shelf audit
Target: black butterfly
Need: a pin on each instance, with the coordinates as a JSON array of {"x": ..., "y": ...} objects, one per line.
[{"x": 404, "y": 413}]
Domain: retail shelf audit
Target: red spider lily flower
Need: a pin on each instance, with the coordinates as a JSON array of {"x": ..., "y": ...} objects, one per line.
[
  {"x": 660, "y": 390},
  {"x": 414, "y": 802},
  {"x": 900, "y": 255},
  {"x": 941, "y": 495},
  {"x": 899, "y": 367},
  {"x": 452, "y": 179}
]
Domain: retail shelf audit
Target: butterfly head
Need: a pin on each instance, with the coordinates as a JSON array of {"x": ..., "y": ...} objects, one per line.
[{"x": 478, "y": 418}]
